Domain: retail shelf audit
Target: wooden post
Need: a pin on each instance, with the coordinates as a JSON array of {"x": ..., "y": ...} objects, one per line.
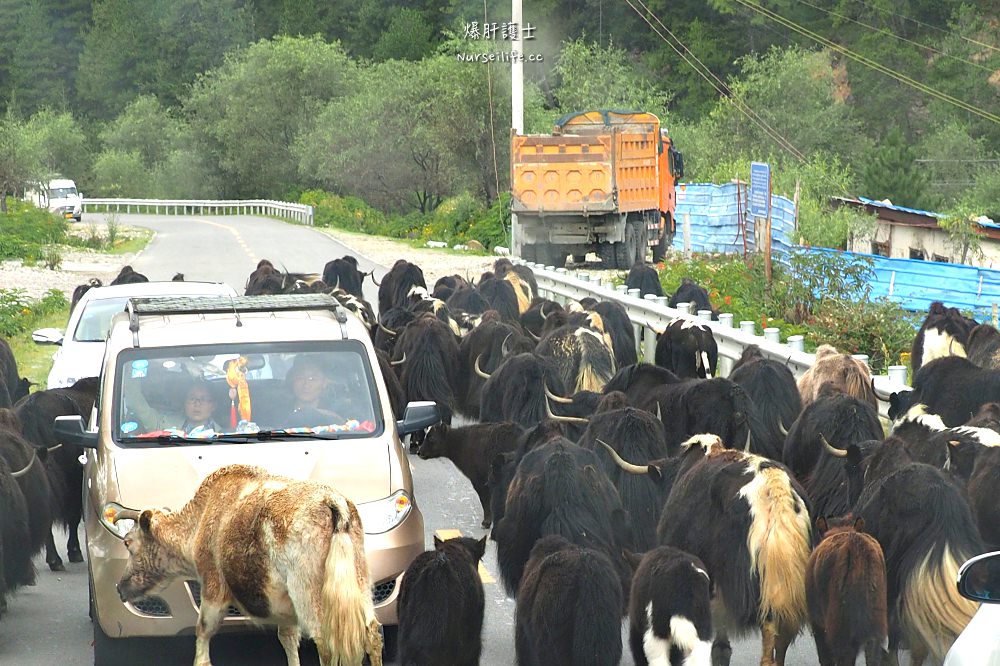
[
  {"x": 994, "y": 315},
  {"x": 795, "y": 200},
  {"x": 767, "y": 240}
]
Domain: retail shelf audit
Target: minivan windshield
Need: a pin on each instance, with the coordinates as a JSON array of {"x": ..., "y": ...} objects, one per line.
[
  {"x": 62, "y": 192},
  {"x": 245, "y": 392}
]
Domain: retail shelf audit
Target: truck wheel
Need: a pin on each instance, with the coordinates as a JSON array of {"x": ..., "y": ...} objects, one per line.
[
  {"x": 615, "y": 255},
  {"x": 550, "y": 255},
  {"x": 660, "y": 249},
  {"x": 639, "y": 235}
]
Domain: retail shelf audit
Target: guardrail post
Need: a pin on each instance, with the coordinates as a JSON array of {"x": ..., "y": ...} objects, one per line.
[
  {"x": 725, "y": 319},
  {"x": 797, "y": 342},
  {"x": 705, "y": 314},
  {"x": 648, "y": 336},
  {"x": 772, "y": 334},
  {"x": 684, "y": 307},
  {"x": 897, "y": 373},
  {"x": 663, "y": 300},
  {"x": 861, "y": 357},
  {"x": 634, "y": 293},
  {"x": 621, "y": 288},
  {"x": 748, "y": 327}
]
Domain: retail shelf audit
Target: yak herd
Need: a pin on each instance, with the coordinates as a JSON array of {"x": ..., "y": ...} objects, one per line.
[{"x": 699, "y": 507}]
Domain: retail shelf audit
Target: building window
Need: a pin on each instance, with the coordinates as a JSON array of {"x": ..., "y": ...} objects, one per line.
[
  {"x": 943, "y": 260},
  {"x": 881, "y": 249},
  {"x": 917, "y": 254}
]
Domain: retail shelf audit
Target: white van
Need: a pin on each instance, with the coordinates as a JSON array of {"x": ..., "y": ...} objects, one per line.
[{"x": 59, "y": 195}]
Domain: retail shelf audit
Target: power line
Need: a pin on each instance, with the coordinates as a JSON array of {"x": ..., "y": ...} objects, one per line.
[
  {"x": 928, "y": 25},
  {"x": 718, "y": 84},
  {"x": 895, "y": 36},
  {"x": 899, "y": 76}
]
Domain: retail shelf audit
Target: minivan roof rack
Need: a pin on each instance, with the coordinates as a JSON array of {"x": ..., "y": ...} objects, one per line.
[{"x": 177, "y": 305}]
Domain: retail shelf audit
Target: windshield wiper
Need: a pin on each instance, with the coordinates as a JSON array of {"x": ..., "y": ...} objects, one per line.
[
  {"x": 166, "y": 439},
  {"x": 265, "y": 435}
]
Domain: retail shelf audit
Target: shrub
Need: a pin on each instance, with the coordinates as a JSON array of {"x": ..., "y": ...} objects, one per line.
[
  {"x": 51, "y": 257},
  {"x": 18, "y": 313}
]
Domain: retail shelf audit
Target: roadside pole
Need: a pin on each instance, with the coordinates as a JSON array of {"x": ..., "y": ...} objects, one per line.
[{"x": 516, "y": 110}]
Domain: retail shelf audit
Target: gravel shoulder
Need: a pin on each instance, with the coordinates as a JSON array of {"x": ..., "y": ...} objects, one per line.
[{"x": 78, "y": 265}]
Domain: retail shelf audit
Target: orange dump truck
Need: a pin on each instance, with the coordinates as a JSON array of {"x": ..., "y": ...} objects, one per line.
[{"x": 602, "y": 182}]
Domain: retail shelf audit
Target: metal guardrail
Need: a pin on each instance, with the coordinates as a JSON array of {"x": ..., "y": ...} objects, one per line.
[
  {"x": 651, "y": 314},
  {"x": 300, "y": 213}
]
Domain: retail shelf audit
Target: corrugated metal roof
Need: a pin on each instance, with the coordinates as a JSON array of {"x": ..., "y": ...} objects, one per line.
[{"x": 882, "y": 204}]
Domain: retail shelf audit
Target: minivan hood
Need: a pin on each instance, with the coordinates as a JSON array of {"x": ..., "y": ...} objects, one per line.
[{"x": 169, "y": 476}]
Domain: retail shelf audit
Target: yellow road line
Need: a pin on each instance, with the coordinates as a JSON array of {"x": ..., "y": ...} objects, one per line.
[
  {"x": 236, "y": 234},
  {"x": 484, "y": 575}
]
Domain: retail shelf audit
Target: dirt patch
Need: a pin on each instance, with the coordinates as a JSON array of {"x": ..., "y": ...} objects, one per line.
[{"x": 78, "y": 265}]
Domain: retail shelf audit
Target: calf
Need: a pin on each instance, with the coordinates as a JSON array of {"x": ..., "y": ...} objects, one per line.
[
  {"x": 472, "y": 448},
  {"x": 238, "y": 535},
  {"x": 846, "y": 373},
  {"x": 691, "y": 292},
  {"x": 845, "y": 589},
  {"x": 569, "y": 607},
  {"x": 670, "y": 615},
  {"x": 644, "y": 278},
  {"x": 441, "y": 605}
]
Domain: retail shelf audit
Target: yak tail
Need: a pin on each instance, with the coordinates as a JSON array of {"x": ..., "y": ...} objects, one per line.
[
  {"x": 933, "y": 612},
  {"x": 708, "y": 368},
  {"x": 779, "y": 543},
  {"x": 597, "y": 365},
  {"x": 597, "y": 637},
  {"x": 348, "y": 620}
]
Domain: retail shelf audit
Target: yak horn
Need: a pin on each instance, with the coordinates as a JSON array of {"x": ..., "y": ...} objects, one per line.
[
  {"x": 832, "y": 450},
  {"x": 541, "y": 311},
  {"x": 372, "y": 276},
  {"x": 479, "y": 370},
  {"x": 557, "y": 398},
  {"x": 746, "y": 449},
  {"x": 400, "y": 361},
  {"x": 127, "y": 514},
  {"x": 504, "y": 350},
  {"x": 624, "y": 464},
  {"x": 566, "y": 419},
  {"x": 387, "y": 331},
  {"x": 532, "y": 335},
  {"x": 18, "y": 474},
  {"x": 659, "y": 413},
  {"x": 54, "y": 448},
  {"x": 782, "y": 429}
]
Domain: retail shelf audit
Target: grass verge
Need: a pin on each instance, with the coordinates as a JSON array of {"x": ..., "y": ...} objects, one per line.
[{"x": 35, "y": 361}]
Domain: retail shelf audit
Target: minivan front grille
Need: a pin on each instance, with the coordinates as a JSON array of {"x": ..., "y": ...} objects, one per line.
[{"x": 380, "y": 592}]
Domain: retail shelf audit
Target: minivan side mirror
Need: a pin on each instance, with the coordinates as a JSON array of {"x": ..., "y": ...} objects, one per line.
[
  {"x": 47, "y": 336},
  {"x": 979, "y": 578},
  {"x": 418, "y": 415},
  {"x": 70, "y": 430}
]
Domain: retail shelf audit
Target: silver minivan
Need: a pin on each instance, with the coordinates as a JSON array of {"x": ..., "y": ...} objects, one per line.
[{"x": 289, "y": 383}]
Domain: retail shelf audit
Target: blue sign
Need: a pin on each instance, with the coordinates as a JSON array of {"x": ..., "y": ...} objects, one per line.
[{"x": 760, "y": 189}]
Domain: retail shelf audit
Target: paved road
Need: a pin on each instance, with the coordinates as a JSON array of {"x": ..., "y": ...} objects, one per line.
[{"x": 48, "y": 624}]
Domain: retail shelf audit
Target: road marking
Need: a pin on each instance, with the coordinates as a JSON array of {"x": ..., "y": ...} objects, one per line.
[
  {"x": 484, "y": 575},
  {"x": 236, "y": 233}
]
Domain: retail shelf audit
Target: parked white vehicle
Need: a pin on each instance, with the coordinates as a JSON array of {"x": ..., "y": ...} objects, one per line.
[
  {"x": 81, "y": 348},
  {"x": 979, "y": 643},
  {"x": 59, "y": 195}
]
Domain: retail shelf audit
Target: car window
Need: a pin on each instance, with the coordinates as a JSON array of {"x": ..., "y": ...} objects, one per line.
[
  {"x": 95, "y": 320},
  {"x": 244, "y": 392},
  {"x": 62, "y": 192}
]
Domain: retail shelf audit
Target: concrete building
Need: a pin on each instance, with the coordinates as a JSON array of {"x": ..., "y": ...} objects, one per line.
[{"x": 908, "y": 233}]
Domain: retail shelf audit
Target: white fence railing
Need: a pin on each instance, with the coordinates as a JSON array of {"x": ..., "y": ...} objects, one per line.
[
  {"x": 300, "y": 213},
  {"x": 651, "y": 314}
]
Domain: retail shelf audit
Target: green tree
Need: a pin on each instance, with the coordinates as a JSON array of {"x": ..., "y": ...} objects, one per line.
[
  {"x": 963, "y": 232},
  {"x": 248, "y": 113},
  {"x": 413, "y": 134},
  {"x": 135, "y": 47},
  {"x": 121, "y": 174},
  {"x": 19, "y": 157},
  {"x": 146, "y": 127},
  {"x": 408, "y": 37},
  {"x": 952, "y": 159},
  {"x": 61, "y": 143},
  {"x": 594, "y": 77},
  {"x": 36, "y": 75},
  {"x": 184, "y": 174},
  {"x": 891, "y": 173}
]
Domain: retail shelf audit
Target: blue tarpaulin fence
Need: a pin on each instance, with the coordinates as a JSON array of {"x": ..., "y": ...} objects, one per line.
[{"x": 713, "y": 212}]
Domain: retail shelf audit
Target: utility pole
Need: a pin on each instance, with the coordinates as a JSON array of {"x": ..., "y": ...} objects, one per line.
[{"x": 516, "y": 107}]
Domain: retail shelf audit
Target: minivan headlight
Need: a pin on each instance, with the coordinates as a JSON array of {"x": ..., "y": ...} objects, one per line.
[
  {"x": 384, "y": 514},
  {"x": 108, "y": 516}
]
